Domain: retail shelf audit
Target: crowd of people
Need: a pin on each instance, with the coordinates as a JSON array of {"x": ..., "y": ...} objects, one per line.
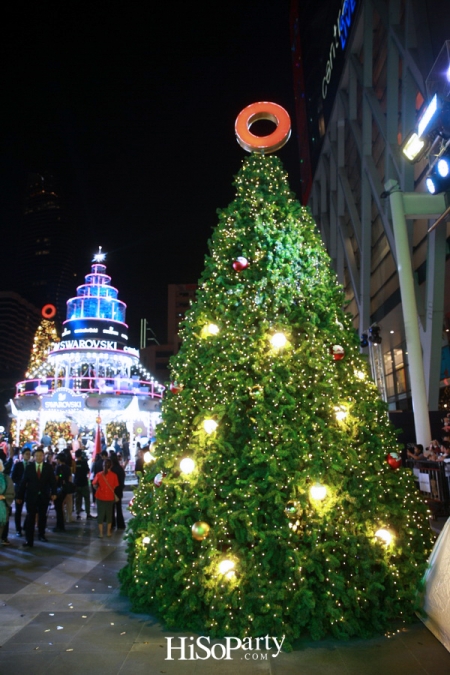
[
  {"x": 437, "y": 451},
  {"x": 70, "y": 477}
]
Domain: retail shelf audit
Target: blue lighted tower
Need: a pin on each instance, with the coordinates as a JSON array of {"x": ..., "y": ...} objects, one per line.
[{"x": 94, "y": 341}]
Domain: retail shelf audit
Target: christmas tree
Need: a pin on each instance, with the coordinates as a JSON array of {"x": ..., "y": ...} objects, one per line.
[
  {"x": 271, "y": 508},
  {"x": 46, "y": 335}
]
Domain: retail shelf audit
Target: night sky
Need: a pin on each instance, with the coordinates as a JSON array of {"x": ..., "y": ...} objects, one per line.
[{"x": 132, "y": 109}]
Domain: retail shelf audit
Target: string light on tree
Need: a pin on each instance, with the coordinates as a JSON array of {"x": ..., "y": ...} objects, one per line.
[
  {"x": 340, "y": 413},
  {"x": 385, "y": 536},
  {"x": 318, "y": 492},
  {"x": 187, "y": 465},
  {"x": 210, "y": 329},
  {"x": 278, "y": 340},
  {"x": 310, "y": 560},
  {"x": 210, "y": 425},
  {"x": 226, "y": 568}
]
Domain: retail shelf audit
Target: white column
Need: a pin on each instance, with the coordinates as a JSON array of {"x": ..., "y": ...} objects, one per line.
[{"x": 410, "y": 316}]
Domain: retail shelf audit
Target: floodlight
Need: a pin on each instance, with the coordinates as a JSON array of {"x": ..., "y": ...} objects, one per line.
[{"x": 414, "y": 147}]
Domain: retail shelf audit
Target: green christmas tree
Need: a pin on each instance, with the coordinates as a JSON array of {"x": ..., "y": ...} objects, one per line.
[
  {"x": 46, "y": 335},
  {"x": 268, "y": 526}
]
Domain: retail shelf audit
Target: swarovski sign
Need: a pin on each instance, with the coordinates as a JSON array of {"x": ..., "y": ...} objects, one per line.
[
  {"x": 90, "y": 343},
  {"x": 63, "y": 400}
]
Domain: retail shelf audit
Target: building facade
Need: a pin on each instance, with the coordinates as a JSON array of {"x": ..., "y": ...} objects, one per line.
[
  {"x": 45, "y": 247},
  {"x": 366, "y": 87}
]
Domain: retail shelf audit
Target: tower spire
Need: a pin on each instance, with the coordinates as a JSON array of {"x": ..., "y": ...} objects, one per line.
[{"x": 100, "y": 256}]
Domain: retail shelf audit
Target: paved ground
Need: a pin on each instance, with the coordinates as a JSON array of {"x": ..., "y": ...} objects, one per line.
[{"x": 61, "y": 612}]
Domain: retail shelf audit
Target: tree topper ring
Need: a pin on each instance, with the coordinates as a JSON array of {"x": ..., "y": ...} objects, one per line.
[
  {"x": 263, "y": 111},
  {"x": 48, "y": 311}
]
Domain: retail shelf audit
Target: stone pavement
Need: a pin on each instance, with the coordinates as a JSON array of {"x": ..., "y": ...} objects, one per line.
[{"x": 61, "y": 612}]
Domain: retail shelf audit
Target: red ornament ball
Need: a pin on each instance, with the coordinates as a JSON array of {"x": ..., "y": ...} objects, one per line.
[
  {"x": 240, "y": 264},
  {"x": 175, "y": 388},
  {"x": 338, "y": 352},
  {"x": 158, "y": 479},
  {"x": 394, "y": 460}
]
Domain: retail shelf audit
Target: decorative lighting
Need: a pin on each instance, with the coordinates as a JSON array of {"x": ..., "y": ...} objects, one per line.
[
  {"x": 187, "y": 465},
  {"x": 146, "y": 540},
  {"x": 210, "y": 425},
  {"x": 340, "y": 413},
  {"x": 226, "y": 567},
  {"x": 318, "y": 492},
  {"x": 212, "y": 329},
  {"x": 148, "y": 457},
  {"x": 99, "y": 257},
  {"x": 360, "y": 375},
  {"x": 384, "y": 535},
  {"x": 278, "y": 340}
]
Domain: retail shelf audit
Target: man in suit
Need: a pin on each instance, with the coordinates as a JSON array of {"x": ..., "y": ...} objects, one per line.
[
  {"x": 37, "y": 486},
  {"x": 16, "y": 476}
]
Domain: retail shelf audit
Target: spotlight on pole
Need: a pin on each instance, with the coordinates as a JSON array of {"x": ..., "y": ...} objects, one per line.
[
  {"x": 375, "y": 337},
  {"x": 364, "y": 340},
  {"x": 438, "y": 179}
]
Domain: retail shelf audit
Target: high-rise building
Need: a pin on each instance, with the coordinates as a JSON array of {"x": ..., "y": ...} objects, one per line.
[
  {"x": 19, "y": 320},
  {"x": 156, "y": 357},
  {"x": 361, "y": 70},
  {"x": 46, "y": 272}
]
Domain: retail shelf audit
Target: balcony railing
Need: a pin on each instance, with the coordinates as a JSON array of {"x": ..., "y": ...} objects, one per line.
[{"x": 91, "y": 385}]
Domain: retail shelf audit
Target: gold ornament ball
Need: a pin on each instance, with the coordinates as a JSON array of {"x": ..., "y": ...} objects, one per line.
[
  {"x": 292, "y": 509},
  {"x": 200, "y": 530}
]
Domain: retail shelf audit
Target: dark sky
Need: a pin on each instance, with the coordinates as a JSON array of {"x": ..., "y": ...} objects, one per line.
[{"x": 132, "y": 107}]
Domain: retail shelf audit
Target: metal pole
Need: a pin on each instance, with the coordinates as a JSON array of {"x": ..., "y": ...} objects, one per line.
[{"x": 410, "y": 315}]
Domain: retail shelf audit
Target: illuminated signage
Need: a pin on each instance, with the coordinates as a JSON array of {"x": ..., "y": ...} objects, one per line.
[
  {"x": 341, "y": 32},
  {"x": 63, "y": 400},
  {"x": 94, "y": 334},
  {"x": 86, "y": 344}
]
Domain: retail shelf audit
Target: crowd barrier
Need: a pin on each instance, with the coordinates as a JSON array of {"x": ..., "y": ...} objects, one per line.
[{"x": 433, "y": 482}]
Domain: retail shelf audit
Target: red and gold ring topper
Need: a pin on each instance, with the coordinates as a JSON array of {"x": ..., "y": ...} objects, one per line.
[
  {"x": 263, "y": 145},
  {"x": 48, "y": 311}
]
